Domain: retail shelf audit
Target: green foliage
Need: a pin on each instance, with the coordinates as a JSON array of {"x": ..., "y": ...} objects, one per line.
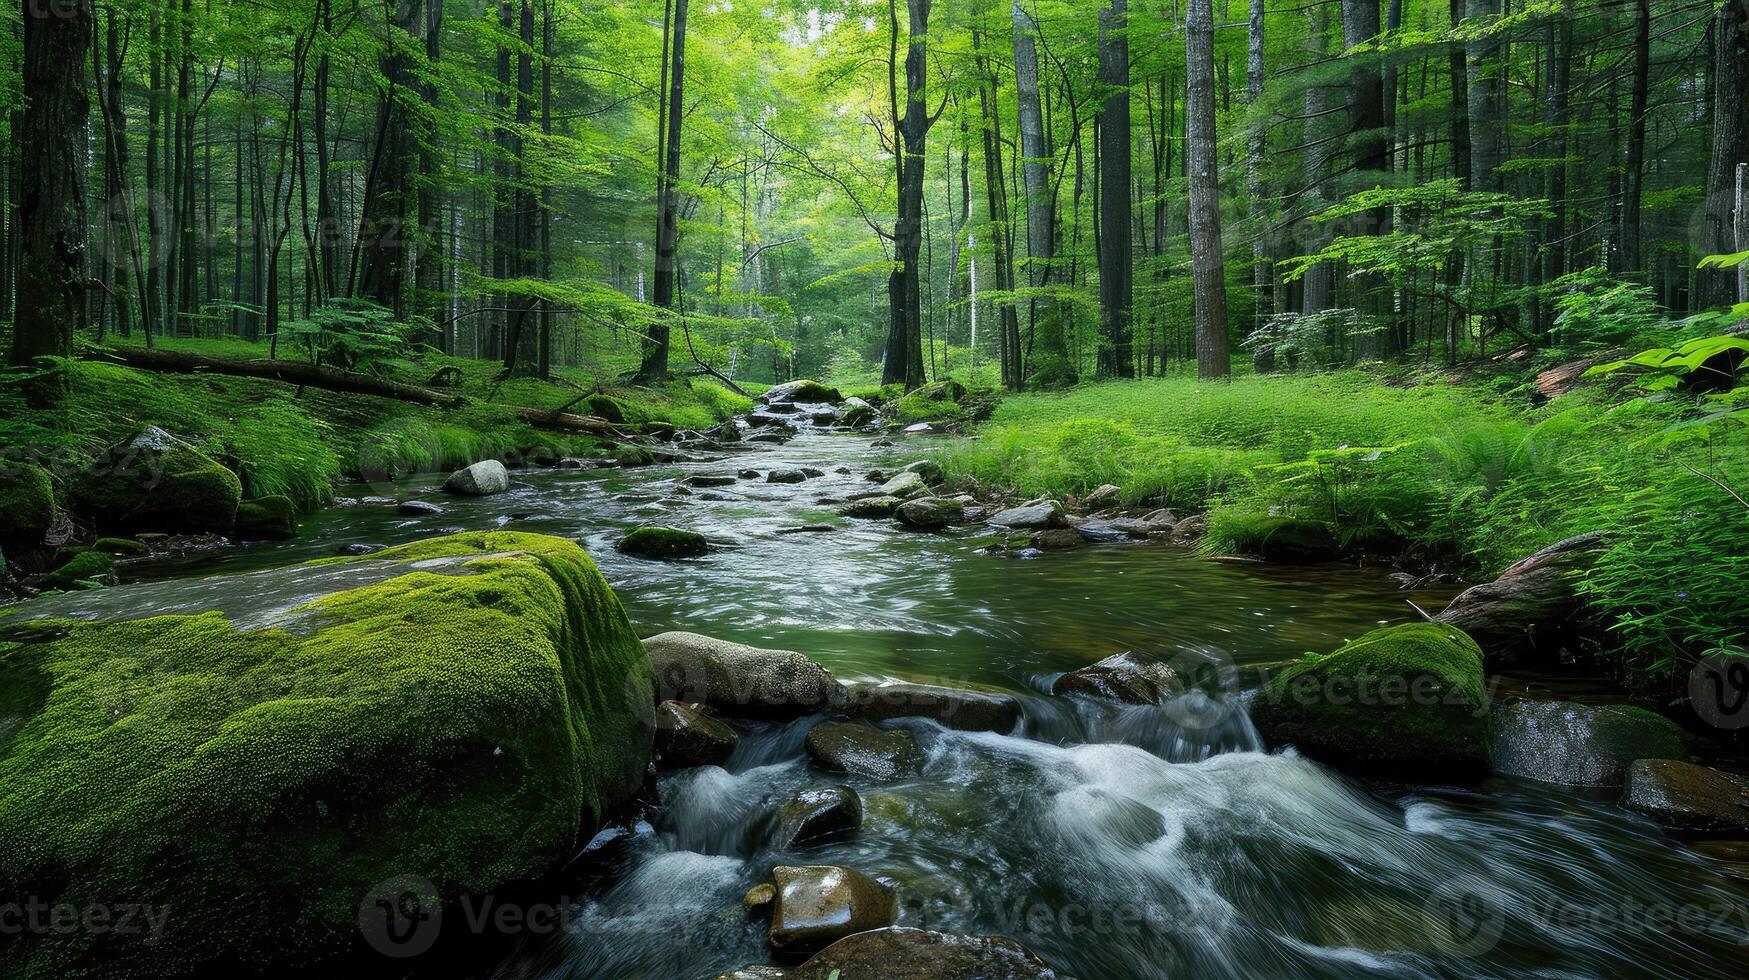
[
  {"x": 27, "y": 503},
  {"x": 1598, "y": 310},
  {"x": 354, "y": 335},
  {"x": 1706, "y": 363},
  {"x": 468, "y": 725}
]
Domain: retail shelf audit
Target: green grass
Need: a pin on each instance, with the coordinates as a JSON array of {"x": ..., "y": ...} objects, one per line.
[{"x": 1464, "y": 476}]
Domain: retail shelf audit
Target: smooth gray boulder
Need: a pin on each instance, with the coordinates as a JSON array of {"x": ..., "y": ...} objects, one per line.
[
  {"x": 1580, "y": 745},
  {"x": 821, "y": 904},
  {"x": 1127, "y": 678},
  {"x": 857, "y": 412},
  {"x": 1036, "y": 515},
  {"x": 1686, "y": 796},
  {"x": 804, "y": 391},
  {"x": 417, "y": 508},
  {"x": 917, "y": 954},
  {"x": 860, "y": 748},
  {"x": 971, "y": 711},
  {"x": 931, "y": 513},
  {"x": 483, "y": 479},
  {"x": 735, "y": 679}
]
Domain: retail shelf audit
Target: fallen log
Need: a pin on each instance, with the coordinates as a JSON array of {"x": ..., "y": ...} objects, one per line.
[{"x": 332, "y": 379}]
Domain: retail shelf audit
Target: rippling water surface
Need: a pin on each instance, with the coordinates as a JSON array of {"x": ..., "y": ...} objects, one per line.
[{"x": 1115, "y": 843}]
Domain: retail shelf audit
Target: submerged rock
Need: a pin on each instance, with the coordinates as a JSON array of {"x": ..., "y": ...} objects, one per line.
[
  {"x": 816, "y": 816},
  {"x": 930, "y": 513},
  {"x": 971, "y": 711},
  {"x": 917, "y": 954},
  {"x": 359, "y": 550},
  {"x": 1532, "y": 607},
  {"x": 417, "y": 508},
  {"x": 860, "y": 748},
  {"x": 663, "y": 543},
  {"x": 871, "y": 507},
  {"x": 1127, "y": 678},
  {"x": 269, "y": 518},
  {"x": 158, "y": 482},
  {"x": 1039, "y": 514},
  {"x": 821, "y": 904},
  {"x": 736, "y": 679},
  {"x": 787, "y": 475},
  {"x": 1580, "y": 745},
  {"x": 711, "y": 480},
  {"x": 687, "y": 737},
  {"x": 1687, "y": 796},
  {"x": 1057, "y": 539},
  {"x": 483, "y": 479},
  {"x": 1405, "y": 701},
  {"x": 632, "y": 457},
  {"x": 771, "y": 420},
  {"x": 465, "y": 720}
]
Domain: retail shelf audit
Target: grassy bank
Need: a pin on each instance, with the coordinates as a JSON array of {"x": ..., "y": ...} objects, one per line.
[
  {"x": 1467, "y": 476},
  {"x": 297, "y": 443}
]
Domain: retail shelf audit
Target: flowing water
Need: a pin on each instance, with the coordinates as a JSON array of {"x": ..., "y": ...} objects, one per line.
[{"x": 1116, "y": 843}]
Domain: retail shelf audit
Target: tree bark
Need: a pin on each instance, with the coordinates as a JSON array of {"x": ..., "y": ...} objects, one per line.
[
  {"x": 904, "y": 355},
  {"x": 1366, "y": 124},
  {"x": 1256, "y": 145},
  {"x": 1050, "y": 356},
  {"x": 1208, "y": 267},
  {"x": 389, "y": 194},
  {"x": 996, "y": 197},
  {"x": 56, "y": 120},
  {"x": 1318, "y": 281},
  {"x": 1116, "y": 356},
  {"x": 1482, "y": 58},
  {"x": 655, "y": 362},
  {"x": 1634, "y": 180},
  {"x": 1730, "y": 150}
]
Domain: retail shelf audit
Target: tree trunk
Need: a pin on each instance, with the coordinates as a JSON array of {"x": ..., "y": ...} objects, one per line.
[
  {"x": 1050, "y": 355},
  {"x": 1318, "y": 281},
  {"x": 327, "y": 221},
  {"x": 117, "y": 216},
  {"x": 1559, "y": 120},
  {"x": 1262, "y": 276},
  {"x": 389, "y": 187},
  {"x": 1366, "y": 124},
  {"x": 57, "y": 109},
  {"x": 1730, "y": 150},
  {"x": 521, "y": 350},
  {"x": 904, "y": 355},
  {"x": 655, "y": 363},
  {"x": 996, "y": 196},
  {"x": 149, "y": 316},
  {"x": 1116, "y": 358},
  {"x": 1208, "y": 268},
  {"x": 1633, "y": 181}
]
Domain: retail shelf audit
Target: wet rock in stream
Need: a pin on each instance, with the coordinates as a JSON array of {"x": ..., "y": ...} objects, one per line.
[
  {"x": 919, "y": 954},
  {"x": 971, "y": 711},
  {"x": 735, "y": 679},
  {"x": 1038, "y": 514},
  {"x": 931, "y": 513},
  {"x": 1580, "y": 745},
  {"x": 820, "y": 904},
  {"x": 1126, "y": 678},
  {"x": 483, "y": 479},
  {"x": 1686, "y": 796},
  {"x": 816, "y": 816},
  {"x": 861, "y": 749},
  {"x": 686, "y": 736}
]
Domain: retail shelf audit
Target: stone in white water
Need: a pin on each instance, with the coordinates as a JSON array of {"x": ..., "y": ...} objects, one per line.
[{"x": 482, "y": 479}]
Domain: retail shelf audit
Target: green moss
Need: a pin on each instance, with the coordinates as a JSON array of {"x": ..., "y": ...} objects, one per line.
[
  {"x": 27, "y": 503},
  {"x": 156, "y": 482},
  {"x": 1403, "y": 700},
  {"x": 1289, "y": 540},
  {"x": 664, "y": 542},
  {"x": 466, "y": 724},
  {"x": 269, "y": 517},
  {"x": 83, "y": 568},
  {"x": 120, "y": 547},
  {"x": 633, "y": 456}
]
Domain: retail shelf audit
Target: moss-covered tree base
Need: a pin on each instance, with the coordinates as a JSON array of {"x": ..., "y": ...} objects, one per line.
[{"x": 465, "y": 721}]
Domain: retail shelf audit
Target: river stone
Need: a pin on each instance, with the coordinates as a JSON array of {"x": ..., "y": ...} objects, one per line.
[
  {"x": 825, "y": 417},
  {"x": 857, "y": 412},
  {"x": 1127, "y": 678},
  {"x": 770, "y": 420},
  {"x": 904, "y": 486},
  {"x": 1057, "y": 539},
  {"x": 771, "y": 436},
  {"x": 1404, "y": 701},
  {"x": 1580, "y": 745},
  {"x": 418, "y": 508},
  {"x": 1191, "y": 530},
  {"x": 1103, "y": 496},
  {"x": 930, "y": 513},
  {"x": 359, "y": 550},
  {"x": 663, "y": 543},
  {"x": 783, "y": 408},
  {"x": 1042, "y": 514},
  {"x": 970, "y": 711},
  {"x": 687, "y": 737},
  {"x": 860, "y": 748},
  {"x": 870, "y": 507},
  {"x": 755, "y": 972},
  {"x": 759, "y": 898},
  {"x": 816, "y": 816},
  {"x": 735, "y": 679},
  {"x": 820, "y": 904},
  {"x": 928, "y": 469},
  {"x": 272, "y": 518},
  {"x": 803, "y": 391},
  {"x": 788, "y": 475},
  {"x": 900, "y": 953},
  {"x": 155, "y": 481},
  {"x": 1139, "y": 527},
  {"x": 463, "y": 722},
  {"x": 632, "y": 457},
  {"x": 27, "y": 505},
  {"x": 1531, "y": 610},
  {"x": 710, "y": 480},
  {"x": 483, "y": 479},
  {"x": 1686, "y": 796}
]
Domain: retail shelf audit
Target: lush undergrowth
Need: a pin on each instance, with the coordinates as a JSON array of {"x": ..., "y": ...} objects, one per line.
[
  {"x": 1467, "y": 476},
  {"x": 283, "y": 441}
]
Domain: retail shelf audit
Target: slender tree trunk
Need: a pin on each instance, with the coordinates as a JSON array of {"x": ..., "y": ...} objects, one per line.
[
  {"x": 389, "y": 194},
  {"x": 1730, "y": 149},
  {"x": 1050, "y": 356},
  {"x": 1366, "y": 123},
  {"x": 1116, "y": 357},
  {"x": 1633, "y": 181},
  {"x": 1559, "y": 121},
  {"x": 1256, "y": 146},
  {"x": 655, "y": 364},
  {"x": 118, "y": 218},
  {"x": 545, "y": 367},
  {"x": 149, "y": 316},
  {"x": 1208, "y": 268},
  {"x": 522, "y": 351},
  {"x": 904, "y": 355},
  {"x": 996, "y": 196},
  {"x": 327, "y": 220},
  {"x": 1318, "y": 281},
  {"x": 51, "y": 304}
]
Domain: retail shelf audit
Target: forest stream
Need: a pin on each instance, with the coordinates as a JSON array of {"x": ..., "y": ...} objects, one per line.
[{"x": 1114, "y": 842}]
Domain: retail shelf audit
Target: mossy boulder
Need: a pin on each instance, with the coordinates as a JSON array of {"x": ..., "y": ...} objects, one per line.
[
  {"x": 121, "y": 547},
  {"x": 463, "y": 714},
  {"x": 663, "y": 543},
  {"x": 802, "y": 392},
  {"x": 1288, "y": 540},
  {"x": 27, "y": 504},
  {"x": 158, "y": 482},
  {"x": 1405, "y": 701},
  {"x": 82, "y": 570},
  {"x": 269, "y": 518}
]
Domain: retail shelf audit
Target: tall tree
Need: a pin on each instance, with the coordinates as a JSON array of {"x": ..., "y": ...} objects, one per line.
[
  {"x": 1207, "y": 264},
  {"x": 1634, "y": 179},
  {"x": 1116, "y": 357},
  {"x": 1050, "y": 359},
  {"x": 673, "y": 109},
  {"x": 1366, "y": 127},
  {"x": 389, "y": 192},
  {"x": 996, "y": 196},
  {"x": 1256, "y": 145},
  {"x": 904, "y": 353},
  {"x": 1730, "y": 148},
  {"x": 51, "y": 302}
]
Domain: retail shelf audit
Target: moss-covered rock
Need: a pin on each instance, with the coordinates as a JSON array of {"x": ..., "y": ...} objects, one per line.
[
  {"x": 663, "y": 542},
  {"x": 121, "y": 547},
  {"x": 1289, "y": 540},
  {"x": 86, "y": 569},
  {"x": 27, "y": 504},
  {"x": 157, "y": 482},
  {"x": 269, "y": 518},
  {"x": 801, "y": 392},
  {"x": 466, "y": 720},
  {"x": 1405, "y": 701}
]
